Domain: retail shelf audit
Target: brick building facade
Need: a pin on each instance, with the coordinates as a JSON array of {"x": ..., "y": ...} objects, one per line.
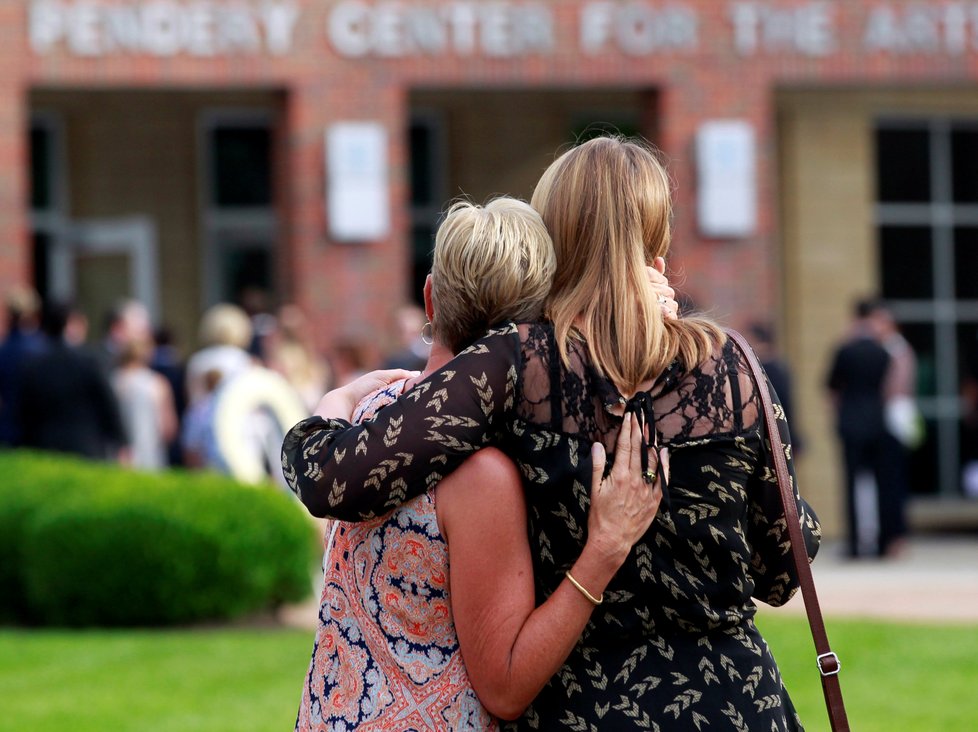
[{"x": 139, "y": 113}]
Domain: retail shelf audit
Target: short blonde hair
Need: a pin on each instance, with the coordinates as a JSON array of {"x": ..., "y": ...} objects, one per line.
[
  {"x": 607, "y": 205},
  {"x": 225, "y": 325},
  {"x": 492, "y": 263}
]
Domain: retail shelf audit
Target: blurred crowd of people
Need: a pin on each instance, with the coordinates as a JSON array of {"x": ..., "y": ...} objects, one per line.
[{"x": 132, "y": 396}]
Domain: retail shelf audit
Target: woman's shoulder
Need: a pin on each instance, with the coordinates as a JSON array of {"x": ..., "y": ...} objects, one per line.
[
  {"x": 535, "y": 336},
  {"x": 501, "y": 340},
  {"x": 510, "y": 345},
  {"x": 522, "y": 331},
  {"x": 485, "y": 490},
  {"x": 539, "y": 357},
  {"x": 712, "y": 365},
  {"x": 718, "y": 396}
]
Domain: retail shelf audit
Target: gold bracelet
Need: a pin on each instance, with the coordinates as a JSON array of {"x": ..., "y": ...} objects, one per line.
[{"x": 594, "y": 600}]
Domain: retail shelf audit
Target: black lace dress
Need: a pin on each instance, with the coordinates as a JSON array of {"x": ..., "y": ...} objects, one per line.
[{"x": 674, "y": 645}]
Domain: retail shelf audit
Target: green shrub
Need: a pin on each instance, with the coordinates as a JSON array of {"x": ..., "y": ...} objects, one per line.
[
  {"x": 28, "y": 480},
  {"x": 95, "y": 544}
]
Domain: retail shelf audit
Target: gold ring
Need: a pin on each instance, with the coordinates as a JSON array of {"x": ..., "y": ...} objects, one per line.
[{"x": 649, "y": 476}]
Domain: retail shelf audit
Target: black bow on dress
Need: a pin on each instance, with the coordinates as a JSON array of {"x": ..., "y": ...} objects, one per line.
[{"x": 641, "y": 406}]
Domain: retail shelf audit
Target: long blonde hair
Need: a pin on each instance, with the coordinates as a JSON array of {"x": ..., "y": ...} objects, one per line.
[{"x": 607, "y": 204}]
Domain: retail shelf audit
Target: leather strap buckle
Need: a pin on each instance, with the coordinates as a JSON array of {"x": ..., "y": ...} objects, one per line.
[{"x": 830, "y": 671}]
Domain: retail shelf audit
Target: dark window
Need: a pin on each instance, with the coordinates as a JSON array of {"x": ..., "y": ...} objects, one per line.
[
  {"x": 423, "y": 244},
  {"x": 41, "y": 159},
  {"x": 923, "y": 462},
  {"x": 968, "y": 351},
  {"x": 903, "y": 165},
  {"x": 246, "y": 268},
  {"x": 966, "y": 262},
  {"x": 964, "y": 164},
  {"x": 906, "y": 262},
  {"x": 591, "y": 129},
  {"x": 426, "y": 140},
  {"x": 41, "y": 247},
  {"x": 968, "y": 437},
  {"x": 922, "y": 338},
  {"x": 242, "y": 166},
  {"x": 422, "y": 144}
]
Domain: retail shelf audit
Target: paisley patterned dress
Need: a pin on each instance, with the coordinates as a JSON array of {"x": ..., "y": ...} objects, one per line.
[
  {"x": 674, "y": 646},
  {"x": 386, "y": 655}
]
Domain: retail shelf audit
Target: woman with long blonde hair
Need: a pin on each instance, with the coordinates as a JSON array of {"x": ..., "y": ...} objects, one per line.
[{"x": 671, "y": 643}]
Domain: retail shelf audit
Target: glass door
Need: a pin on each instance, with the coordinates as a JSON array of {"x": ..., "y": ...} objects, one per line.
[{"x": 108, "y": 260}]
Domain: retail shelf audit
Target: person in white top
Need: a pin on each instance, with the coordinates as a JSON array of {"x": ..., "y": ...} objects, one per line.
[
  {"x": 147, "y": 406},
  {"x": 225, "y": 332},
  {"x": 905, "y": 427}
]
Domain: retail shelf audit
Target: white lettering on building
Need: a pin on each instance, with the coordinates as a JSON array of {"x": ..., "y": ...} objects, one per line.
[
  {"x": 398, "y": 29},
  {"x": 502, "y": 29},
  {"x": 637, "y": 28},
  {"x": 807, "y": 29},
  {"x": 922, "y": 28},
  {"x": 163, "y": 27}
]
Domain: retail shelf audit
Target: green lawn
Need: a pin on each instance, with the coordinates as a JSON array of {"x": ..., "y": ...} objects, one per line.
[
  {"x": 912, "y": 678},
  {"x": 905, "y": 677},
  {"x": 152, "y": 681}
]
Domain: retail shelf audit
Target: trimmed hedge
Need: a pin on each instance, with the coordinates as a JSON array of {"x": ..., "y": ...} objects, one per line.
[{"x": 93, "y": 544}]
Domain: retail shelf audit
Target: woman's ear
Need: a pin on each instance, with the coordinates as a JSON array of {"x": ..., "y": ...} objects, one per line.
[
  {"x": 429, "y": 308},
  {"x": 659, "y": 263}
]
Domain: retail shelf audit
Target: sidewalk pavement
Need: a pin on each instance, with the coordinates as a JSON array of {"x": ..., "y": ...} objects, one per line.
[{"x": 934, "y": 580}]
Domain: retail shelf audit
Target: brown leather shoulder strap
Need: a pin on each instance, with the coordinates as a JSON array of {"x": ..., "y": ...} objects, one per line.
[{"x": 826, "y": 660}]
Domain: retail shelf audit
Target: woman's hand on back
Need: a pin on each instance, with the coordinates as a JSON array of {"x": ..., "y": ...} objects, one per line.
[{"x": 623, "y": 505}]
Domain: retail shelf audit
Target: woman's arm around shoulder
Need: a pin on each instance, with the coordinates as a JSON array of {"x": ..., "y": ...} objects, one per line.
[
  {"x": 354, "y": 472},
  {"x": 512, "y": 648}
]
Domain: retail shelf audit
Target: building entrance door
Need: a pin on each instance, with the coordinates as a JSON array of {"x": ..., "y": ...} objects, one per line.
[
  {"x": 101, "y": 261},
  {"x": 467, "y": 141}
]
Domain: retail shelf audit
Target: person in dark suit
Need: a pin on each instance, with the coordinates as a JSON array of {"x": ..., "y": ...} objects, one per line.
[
  {"x": 776, "y": 367},
  {"x": 23, "y": 339},
  {"x": 66, "y": 402},
  {"x": 856, "y": 381}
]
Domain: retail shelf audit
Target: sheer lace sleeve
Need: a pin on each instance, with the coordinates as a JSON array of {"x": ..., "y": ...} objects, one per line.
[
  {"x": 772, "y": 566},
  {"x": 356, "y": 472}
]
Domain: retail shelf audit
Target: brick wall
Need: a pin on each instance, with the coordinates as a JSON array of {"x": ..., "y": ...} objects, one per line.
[
  {"x": 739, "y": 58},
  {"x": 14, "y": 251}
]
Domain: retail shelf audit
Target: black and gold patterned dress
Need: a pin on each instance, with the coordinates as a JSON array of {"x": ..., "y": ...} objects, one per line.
[{"x": 674, "y": 646}]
